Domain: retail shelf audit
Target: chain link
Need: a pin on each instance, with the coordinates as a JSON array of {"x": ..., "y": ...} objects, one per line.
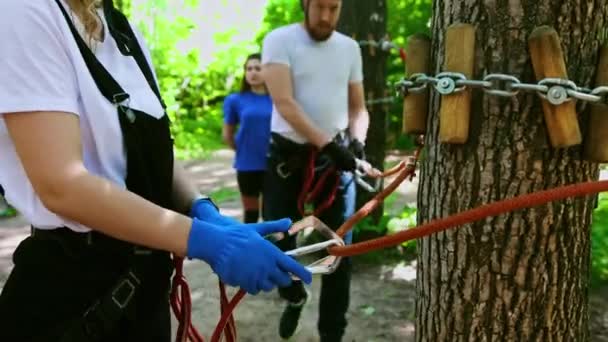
[
  {"x": 384, "y": 44},
  {"x": 554, "y": 90}
]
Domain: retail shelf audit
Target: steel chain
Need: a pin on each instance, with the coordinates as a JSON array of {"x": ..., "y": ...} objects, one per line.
[{"x": 554, "y": 90}]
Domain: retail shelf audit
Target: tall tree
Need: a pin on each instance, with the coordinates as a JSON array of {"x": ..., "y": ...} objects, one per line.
[
  {"x": 521, "y": 276},
  {"x": 365, "y": 21}
]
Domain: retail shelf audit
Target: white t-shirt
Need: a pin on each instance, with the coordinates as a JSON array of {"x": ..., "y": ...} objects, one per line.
[
  {"x": 41, "y": 69},
  {"x": 321, "y": 73}
]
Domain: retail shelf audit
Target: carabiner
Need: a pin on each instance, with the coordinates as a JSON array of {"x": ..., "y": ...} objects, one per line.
[
  {"x": 325, "y": 265},
  {"x": 360, "y": 173}
]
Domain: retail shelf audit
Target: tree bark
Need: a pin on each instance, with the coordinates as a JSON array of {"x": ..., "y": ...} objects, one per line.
[
  {"x": 521, "y": 276},
  {"x": 365, "y": 20}
]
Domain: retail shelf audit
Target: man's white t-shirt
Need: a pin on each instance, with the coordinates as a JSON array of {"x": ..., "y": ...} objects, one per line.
[
  {"x": 321, "y": 73},
  {"x": 41, "y": 69}
]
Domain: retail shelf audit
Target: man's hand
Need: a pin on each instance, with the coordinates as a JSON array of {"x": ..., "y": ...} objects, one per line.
[
  {"x": 342, "y": 157},
  {"x": 368, "y": 169},
  {"x": 357, "y": 148}
]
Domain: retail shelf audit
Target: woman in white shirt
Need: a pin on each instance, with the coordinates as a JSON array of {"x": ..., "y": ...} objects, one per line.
[{"x": 87, "y": 157}]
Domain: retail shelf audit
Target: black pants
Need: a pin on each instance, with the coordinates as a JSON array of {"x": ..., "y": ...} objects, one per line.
[
  {"x": 251, "y": 183},
  {"x": 58, "y": 276},
  {"x": 280, "y": 200}
]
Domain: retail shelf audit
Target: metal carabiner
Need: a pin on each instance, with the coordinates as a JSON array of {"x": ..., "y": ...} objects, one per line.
[
  {"x": 325, "y": 265},
  {"x": 360, "y": 173}
]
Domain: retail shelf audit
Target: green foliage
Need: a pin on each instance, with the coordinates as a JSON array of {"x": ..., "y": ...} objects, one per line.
[
  {"x": 194, "y": 97},
  {"x": 599, "y": 241},
  {"x": 279, "y": 13},
  {"x": 223, "y": 195}
]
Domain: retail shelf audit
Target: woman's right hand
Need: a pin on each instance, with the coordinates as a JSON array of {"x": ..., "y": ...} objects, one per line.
[{"x": 241, "y": 257}]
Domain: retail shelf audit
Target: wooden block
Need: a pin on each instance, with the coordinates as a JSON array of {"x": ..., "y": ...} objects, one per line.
[
  {"x": 455, "y": 110},
  {"x": 548, "y": 61},
  {"x": 415, "y": 105},
  {"x": 596, "y": 141}
]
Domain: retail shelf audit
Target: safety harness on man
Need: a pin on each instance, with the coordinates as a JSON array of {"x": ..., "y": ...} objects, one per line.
[{"x": 149, "y": 155}]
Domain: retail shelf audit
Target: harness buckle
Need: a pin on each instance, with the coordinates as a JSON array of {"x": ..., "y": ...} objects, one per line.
[
  {"x": 128, "y": 284},
  {"x": 281, "y": 172},
  {"x": 120, "y": 98},
  {"x": 324, "y": 265}
]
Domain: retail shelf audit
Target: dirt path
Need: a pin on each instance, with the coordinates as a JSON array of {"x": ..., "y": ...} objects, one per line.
[{"x": 382, "y": 296}]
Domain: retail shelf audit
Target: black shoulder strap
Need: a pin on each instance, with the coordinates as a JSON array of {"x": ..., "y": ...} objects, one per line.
[
  {"x": 108, "y": 86},
  {"x": 123, "y": 34}
]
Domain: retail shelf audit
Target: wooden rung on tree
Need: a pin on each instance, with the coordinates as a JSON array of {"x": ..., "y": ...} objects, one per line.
[
  {"x": 548, "y": 62},
  {"x": 596, "y": 140},
  {"x": 455, "y": 110},
  {"x": 415, "y": 105}
]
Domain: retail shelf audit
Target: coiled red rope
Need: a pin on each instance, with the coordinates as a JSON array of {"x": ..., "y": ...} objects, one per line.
[
  {"x": 308, "y": 195},
  {"x": 181, "y": 304}
]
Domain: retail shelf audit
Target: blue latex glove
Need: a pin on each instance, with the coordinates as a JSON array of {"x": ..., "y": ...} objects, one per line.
[
  {"x": 241, "y": 257},
  {"x": 204, "y": 210}
]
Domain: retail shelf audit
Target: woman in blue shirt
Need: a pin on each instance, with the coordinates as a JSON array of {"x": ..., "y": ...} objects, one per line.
[{"x": 250, "y": 110}]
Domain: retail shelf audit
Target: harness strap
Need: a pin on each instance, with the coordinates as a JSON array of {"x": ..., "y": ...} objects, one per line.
[
  {"x": 101, "y": 318},
  {"x": 104, "y": 314}
]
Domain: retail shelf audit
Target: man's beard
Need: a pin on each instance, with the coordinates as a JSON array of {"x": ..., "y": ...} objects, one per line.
[{"x": 316, "y": 35}]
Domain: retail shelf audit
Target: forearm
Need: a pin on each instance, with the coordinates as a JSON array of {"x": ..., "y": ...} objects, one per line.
[
  {"x": 295, "y": 116},
  {"x": 359, "y": 124},
  {"x": 228, "y": 136},
  {"x": 98, "y": 203},
  {"x": 184, "y": 190}
]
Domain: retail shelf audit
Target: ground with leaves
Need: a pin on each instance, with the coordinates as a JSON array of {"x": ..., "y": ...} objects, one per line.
[{"x": 382, "y": 294}]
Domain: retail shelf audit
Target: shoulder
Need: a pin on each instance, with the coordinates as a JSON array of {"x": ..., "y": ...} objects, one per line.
[
  {"x": 30, "y": 15},
  {"x": 282, "y": 33},
  {"x": 345, "y": 41},
  {"x": 232, "y": 98}
]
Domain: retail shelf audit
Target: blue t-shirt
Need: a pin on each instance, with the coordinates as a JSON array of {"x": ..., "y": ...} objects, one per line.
[{"x": 251, "y": 112}]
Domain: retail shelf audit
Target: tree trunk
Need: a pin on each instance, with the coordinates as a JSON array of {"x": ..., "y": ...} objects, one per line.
[
  {"x": 365, "y": 20},
  {"x": 521, "y": 276}
]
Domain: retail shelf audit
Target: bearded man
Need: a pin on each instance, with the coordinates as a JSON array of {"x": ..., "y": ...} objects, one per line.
[{"x": 315, "y": 79}]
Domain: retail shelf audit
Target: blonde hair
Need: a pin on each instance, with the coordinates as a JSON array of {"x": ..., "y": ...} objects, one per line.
[{"x": 86, "y": 11}]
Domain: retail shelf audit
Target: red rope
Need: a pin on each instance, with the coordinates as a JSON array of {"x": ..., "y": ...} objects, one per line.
[
  {"x": 307, "y": 195},
  {"x": 226, "y": 316},
  {"x": 476, "y": 214},
  {"x": 402, "y": 54},
  {"x": 230, "y": 329},
  {"x": 182, "y": 305}
]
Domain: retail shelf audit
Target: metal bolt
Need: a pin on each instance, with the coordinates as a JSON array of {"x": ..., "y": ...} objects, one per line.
[
  {"x": 557, "y": 95},
  {"x": 445, "y": 86}
]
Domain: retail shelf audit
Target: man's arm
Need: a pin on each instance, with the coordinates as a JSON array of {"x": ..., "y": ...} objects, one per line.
[
  {"x": 358, "y": 116},
  {"x": 279, "y": 83}
]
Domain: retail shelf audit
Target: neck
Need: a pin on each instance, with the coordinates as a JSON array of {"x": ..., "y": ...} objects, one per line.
[{"x": 258, "y": 89}]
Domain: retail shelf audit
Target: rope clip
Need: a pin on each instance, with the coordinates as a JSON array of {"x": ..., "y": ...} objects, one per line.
[{"x": 325, "y": 265}]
